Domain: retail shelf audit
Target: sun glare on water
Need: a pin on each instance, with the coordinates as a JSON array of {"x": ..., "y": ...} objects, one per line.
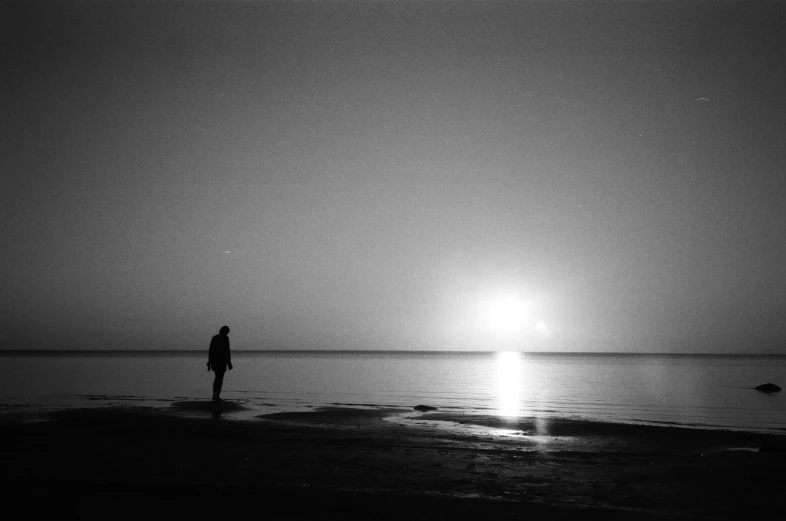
[{"x": 509, "y": 383}]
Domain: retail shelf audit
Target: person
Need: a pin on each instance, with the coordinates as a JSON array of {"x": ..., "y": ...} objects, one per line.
[{"x": 219, "y": 359}]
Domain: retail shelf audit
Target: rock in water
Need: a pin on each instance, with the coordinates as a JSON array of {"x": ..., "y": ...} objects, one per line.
[
  {"x": 424, "y": 408},
  {"x": 768, "y": 388}
]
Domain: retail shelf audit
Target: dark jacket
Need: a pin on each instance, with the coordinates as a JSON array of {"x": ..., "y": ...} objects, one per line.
[{"x": 219, "y": 355}]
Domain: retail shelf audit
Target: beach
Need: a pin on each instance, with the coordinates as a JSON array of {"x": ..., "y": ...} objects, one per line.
[
  {"x": 440, "y": 259},
  {"x": 367, "y": 462}
]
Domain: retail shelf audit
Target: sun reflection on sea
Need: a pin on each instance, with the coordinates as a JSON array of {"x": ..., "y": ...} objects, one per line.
[{"x": 509, "y": 383}]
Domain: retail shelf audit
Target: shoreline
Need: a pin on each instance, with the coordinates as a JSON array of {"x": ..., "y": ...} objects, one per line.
[
  {"x": 441, "y": 464},
  {"x": 250, "y": 409}
]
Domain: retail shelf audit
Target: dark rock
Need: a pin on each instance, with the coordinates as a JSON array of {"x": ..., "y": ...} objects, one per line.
[
  {"x": 424, "y": 408},
  {"x": 768, "y": 388}
]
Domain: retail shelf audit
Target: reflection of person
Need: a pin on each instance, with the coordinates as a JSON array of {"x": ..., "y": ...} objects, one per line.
[{"x": 219, "y": 359}]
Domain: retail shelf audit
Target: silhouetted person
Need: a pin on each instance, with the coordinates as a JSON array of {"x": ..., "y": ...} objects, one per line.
[{"x": 219, "y": 359}]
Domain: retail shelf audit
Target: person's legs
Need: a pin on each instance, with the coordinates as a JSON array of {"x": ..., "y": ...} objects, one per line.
[{"x": 217, "y": 383}]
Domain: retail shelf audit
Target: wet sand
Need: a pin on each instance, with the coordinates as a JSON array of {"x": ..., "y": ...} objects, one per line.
[{"x": 381, "y": 463}]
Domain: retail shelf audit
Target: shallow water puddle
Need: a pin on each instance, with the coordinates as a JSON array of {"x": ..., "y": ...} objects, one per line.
[{"x": 410, "y": 419}]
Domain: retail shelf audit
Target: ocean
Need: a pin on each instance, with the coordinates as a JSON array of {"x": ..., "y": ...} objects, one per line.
[{"x": 706, "y": 391}]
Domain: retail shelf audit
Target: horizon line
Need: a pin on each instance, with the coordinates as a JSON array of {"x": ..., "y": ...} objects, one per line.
[{"x": 366, "y": 351}]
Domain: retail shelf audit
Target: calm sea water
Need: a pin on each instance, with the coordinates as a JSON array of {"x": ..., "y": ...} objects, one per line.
[{"x": 706, "y": 391}]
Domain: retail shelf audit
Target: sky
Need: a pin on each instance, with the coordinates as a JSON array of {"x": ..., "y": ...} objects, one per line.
[{"x": 394, "y": 175}]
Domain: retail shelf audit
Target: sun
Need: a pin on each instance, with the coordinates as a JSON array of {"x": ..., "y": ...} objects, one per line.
[{"x": 507, "y": 314}]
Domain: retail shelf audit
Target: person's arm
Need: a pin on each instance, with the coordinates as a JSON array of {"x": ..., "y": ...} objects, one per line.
[
  {"x": 210, "y": 354},
  {"x": 229, "y": 356}
]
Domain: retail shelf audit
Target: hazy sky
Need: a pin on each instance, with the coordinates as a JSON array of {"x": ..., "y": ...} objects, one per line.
[{"x": 365, "y": 175}]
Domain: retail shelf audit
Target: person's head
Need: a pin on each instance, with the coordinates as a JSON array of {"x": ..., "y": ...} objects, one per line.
[{"x": 224, "y": 330}]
